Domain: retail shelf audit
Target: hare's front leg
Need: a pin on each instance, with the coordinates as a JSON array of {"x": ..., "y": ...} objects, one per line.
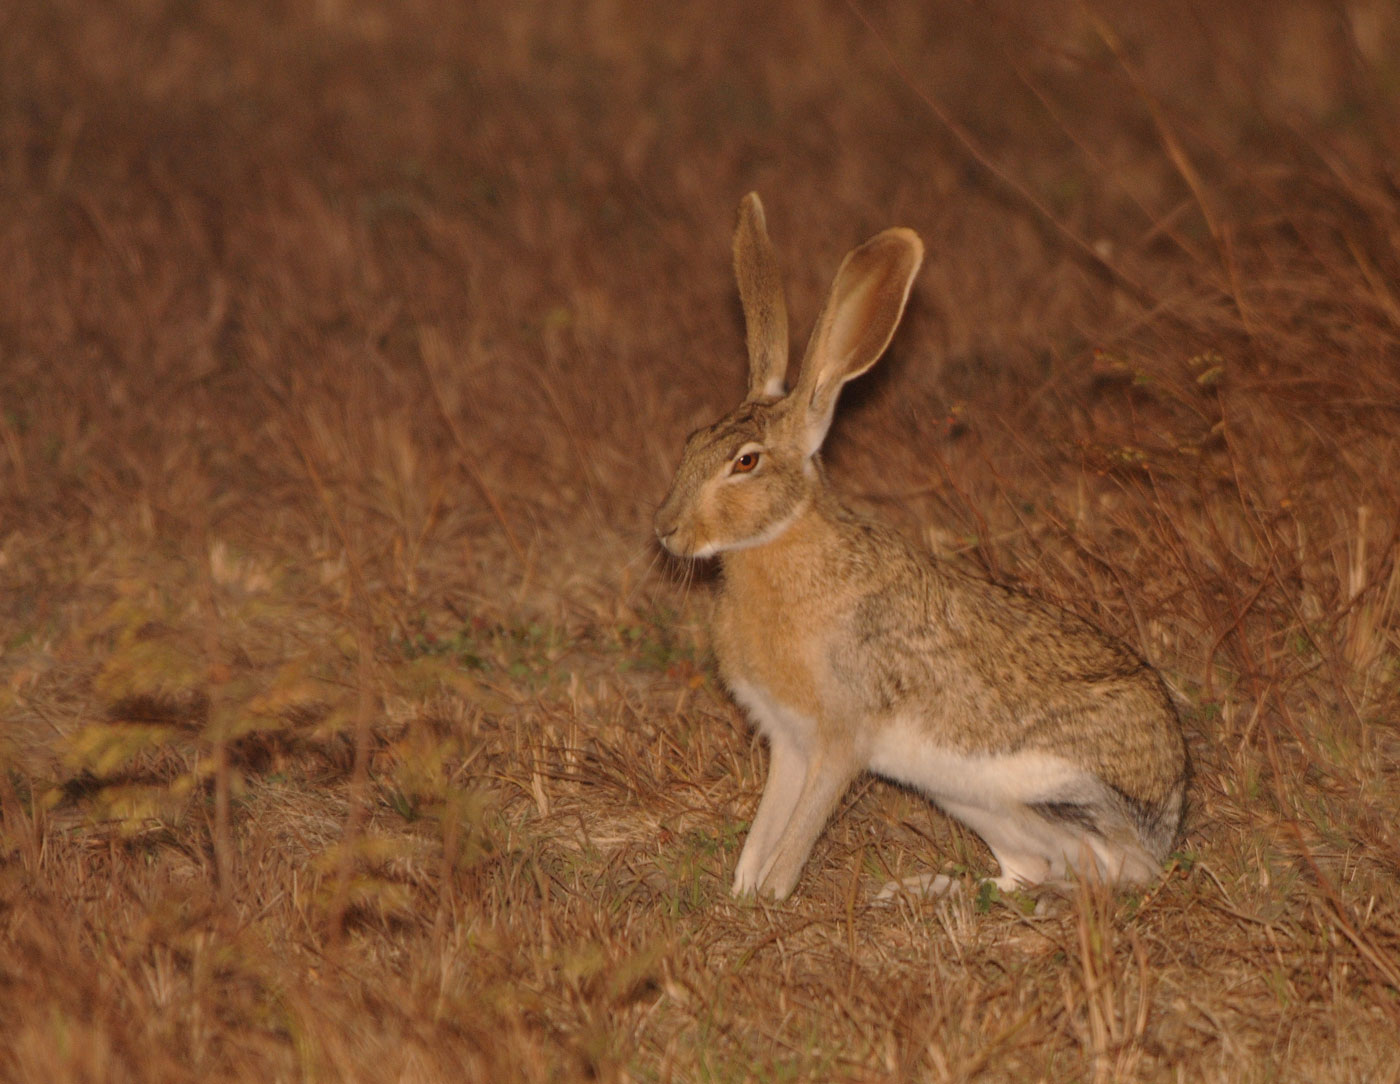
[
  {"x": 786, "y": 768},
  {"x": 828, "y": 776}
]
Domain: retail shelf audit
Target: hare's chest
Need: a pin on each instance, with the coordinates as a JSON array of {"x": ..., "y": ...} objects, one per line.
[{"x": 771, "y": 652}]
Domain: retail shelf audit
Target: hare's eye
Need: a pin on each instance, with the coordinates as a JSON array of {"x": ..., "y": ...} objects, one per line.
[{"x": 744, "y": 463}]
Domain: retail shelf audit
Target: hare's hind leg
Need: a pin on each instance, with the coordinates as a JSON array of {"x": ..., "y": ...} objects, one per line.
[
  {"x": 787, "y": 766},
  {"x": 1047, "y": 841},
  {"x": 1044, "y": 842}
]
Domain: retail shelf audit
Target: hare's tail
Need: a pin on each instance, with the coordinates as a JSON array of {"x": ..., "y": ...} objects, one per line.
[{"x": 1159, "y": 824}]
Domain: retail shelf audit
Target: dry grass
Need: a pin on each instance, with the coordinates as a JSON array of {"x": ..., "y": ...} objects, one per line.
[{"x": 351, "y": 729}]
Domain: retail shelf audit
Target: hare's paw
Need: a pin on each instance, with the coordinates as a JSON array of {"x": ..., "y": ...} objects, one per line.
[
  {"x": 927, "y": 884},
  {"x": 745, "y": 881}
]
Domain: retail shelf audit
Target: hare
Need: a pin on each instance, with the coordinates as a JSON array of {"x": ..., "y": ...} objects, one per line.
[{"x": 853, "y": 649}]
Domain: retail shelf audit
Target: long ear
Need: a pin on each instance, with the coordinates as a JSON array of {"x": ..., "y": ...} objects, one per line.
[
  {"x": 859, "y": 319},
  {"x": 761, "y": 291}
]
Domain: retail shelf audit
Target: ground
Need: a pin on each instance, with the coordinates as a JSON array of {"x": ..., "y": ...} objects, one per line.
[{"x": 352, "y": 726}]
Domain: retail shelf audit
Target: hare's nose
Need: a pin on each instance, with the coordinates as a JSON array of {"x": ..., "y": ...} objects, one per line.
[{"x": 666, "y": 528}]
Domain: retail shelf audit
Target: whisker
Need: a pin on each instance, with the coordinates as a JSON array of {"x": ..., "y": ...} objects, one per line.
[{"x": 657, "y": 555}]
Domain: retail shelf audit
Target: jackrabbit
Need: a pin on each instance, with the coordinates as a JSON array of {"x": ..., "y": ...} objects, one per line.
[{"x": 853, "y": 649}]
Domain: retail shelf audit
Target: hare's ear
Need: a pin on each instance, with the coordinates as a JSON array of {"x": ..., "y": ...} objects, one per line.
[
  {"x": 859, "y": 319},
  {"x": 761, "y": 290}
]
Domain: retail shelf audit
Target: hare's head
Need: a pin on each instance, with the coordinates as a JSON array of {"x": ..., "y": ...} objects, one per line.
[{"x": 743, "y": 480}]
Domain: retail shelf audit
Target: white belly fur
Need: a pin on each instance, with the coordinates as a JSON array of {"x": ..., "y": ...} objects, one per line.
[{"x": 987, "y": 780}]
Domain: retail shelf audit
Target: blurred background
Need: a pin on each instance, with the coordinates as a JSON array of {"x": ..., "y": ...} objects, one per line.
[{"x": 352, "y": 726}]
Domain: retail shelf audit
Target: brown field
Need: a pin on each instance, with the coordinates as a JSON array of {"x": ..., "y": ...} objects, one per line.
[{"x": 351, "y": 727}]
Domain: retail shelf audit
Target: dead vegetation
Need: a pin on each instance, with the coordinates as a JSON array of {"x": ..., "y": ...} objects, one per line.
[{"x": 350, "y": 728}]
